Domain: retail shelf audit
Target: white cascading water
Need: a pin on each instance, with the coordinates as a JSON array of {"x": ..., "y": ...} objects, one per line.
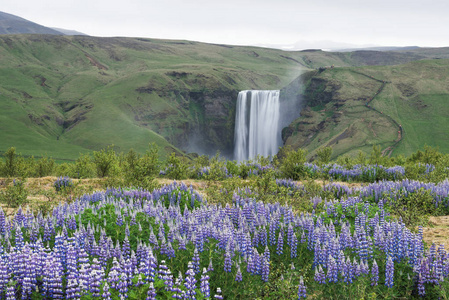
[{"x": 257, "y": 124}]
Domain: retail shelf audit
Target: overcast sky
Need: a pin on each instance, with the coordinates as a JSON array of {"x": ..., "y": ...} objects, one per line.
[{"x": 247, "y": 22}]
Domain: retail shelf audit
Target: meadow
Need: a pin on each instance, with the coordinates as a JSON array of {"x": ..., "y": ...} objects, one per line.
[{"x": 117, "y": 226}]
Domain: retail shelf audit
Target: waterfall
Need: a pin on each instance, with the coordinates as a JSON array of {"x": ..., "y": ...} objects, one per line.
[{"x": 257, "y": 129}]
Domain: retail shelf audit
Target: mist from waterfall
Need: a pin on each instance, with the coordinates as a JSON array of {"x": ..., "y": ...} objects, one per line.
[{"x": 257, "y": 124}]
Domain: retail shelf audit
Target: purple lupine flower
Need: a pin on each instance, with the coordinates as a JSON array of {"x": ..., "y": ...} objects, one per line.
[
  {"x": 114, "y": 274},
  {"x": 139, "y": 281},
  {"x": 56, "y": 285},
  {"x": 315, "y": 201},
  {"x": 294, "y": 243},
  {"x": 177, "y": 287},
  {"x": 302, "y": 291},
  {"x": 218, "y": 295},
  {"x": 303, "y": 237},
  {"x": 126, "y": 248},
  {"x": 421, "y": 287},
  {"x": 152, "y": 265},
  {"x": 266, "y": 253},
  {"x": 3, "y": 271},
  {"x": 72, "y": 290},
  {"x": 196, "y": 261},
  {"x": 227, "y": 261},
  {"x": 204, "y": 286},
  {"x": 238, "y": 275},
  {"x": 190, "y": 283},
  {"x": 123, "y": 285},
  {"x": 168, "y": 280},
  {"x": 265, "y": 269},
  {"x": 119, "y": 220},
  {"x": 210, "y": 268},
  {"x": 250, "y": 265},
  {"x": 162, "y": 272},
  {"x": 128, "y": 270},
  {"x": 151, "y": 294},
  {"x": 10, "y": 292},
  {"x": 389, "y": 273},
  {"x": 332, "y": 271},
  {"x": 358, "y": 269},
  {"x": 374, "y": 274},
  {"x": 319, "y": 275},
  {"x": 280, "y": 244},
  {"x": 106, "y": 293}
]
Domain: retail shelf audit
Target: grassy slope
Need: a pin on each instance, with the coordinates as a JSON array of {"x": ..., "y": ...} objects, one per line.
[
  {"x": 90, "y": 84},
  {"x": 416, "y": 96},
  {"x": 62, "y": 95}
]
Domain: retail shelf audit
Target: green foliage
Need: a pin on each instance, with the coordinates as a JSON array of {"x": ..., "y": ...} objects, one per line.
[
  {"x": 265, "y": 184},
  {"x": 15, "y": 194},
  {"x": 233, "y": 168},
  {"x": 216, "y": 168},
  {"x": 141, "y": 170},
  {"x": 414, "y": 208},
  {"x": 292, "y": 166},
  {"x": 10, "y": 167},
  {"x": 376, "y": 156},
  {"x": 64, "y": 169},
  {"x": 176, "y": 169},
  {"x": 14, "y": 164},
  {"x": 324, "y": 155},
  {"x": 44, "y": 167},
  {"x": 84, "y": 167},
  {"x": 428, "y": 156},
  {"x": 361, "y": 158},
  {"x": 105, "y": 161}
]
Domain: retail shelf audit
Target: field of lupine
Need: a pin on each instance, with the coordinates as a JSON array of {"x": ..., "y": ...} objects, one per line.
[
  {"x": 260, "y": 236},
  {"x": 171, "y": 243}
]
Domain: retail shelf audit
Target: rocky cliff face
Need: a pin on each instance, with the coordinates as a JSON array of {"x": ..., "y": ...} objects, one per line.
[
  {"x": 200, "y": 116},
  {"x": 213, "y": 125}
]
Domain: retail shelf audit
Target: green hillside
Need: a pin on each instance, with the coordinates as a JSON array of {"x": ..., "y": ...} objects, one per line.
[
  {"x": 65, "y": 95},
  {"x": 414, "y": 96}
]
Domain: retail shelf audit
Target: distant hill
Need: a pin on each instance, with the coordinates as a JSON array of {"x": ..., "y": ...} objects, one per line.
[
  {"x": 384, "y": 48},
  {"x": 401, "y": 108},
  {"x": 68, "y": 31},
  {"x": 11, "y": 24}
]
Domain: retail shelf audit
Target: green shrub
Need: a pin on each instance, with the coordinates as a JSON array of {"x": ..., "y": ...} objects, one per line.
[
  {"x": 141, "y": 171},
  {"x": 324, "y": 155},
  {"x": 217, "y": 170},
  {"x": 233, "y": 168},
  {"x": 176, "y": 168},
  {"x": 44, "y": 167},
  {"x": 376, "y": 157},
  {"x": 84, "y": 167},
  {"x": 105, "y": 161},
  {"x": 15, "y": 194},
  {"x": 292, "y": 166},
  {"x": 415, "y": 207},
  {"x": 14, "y": 164},
  {"x": 65, "y": 169}
]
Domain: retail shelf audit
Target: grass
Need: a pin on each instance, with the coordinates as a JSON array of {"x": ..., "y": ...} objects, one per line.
[
  {"x": 415, "y": 96},
  {"x": 66, "y": 95}
]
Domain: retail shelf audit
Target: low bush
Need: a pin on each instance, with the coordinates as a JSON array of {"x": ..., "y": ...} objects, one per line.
[{"x": 15, "y": 194}]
